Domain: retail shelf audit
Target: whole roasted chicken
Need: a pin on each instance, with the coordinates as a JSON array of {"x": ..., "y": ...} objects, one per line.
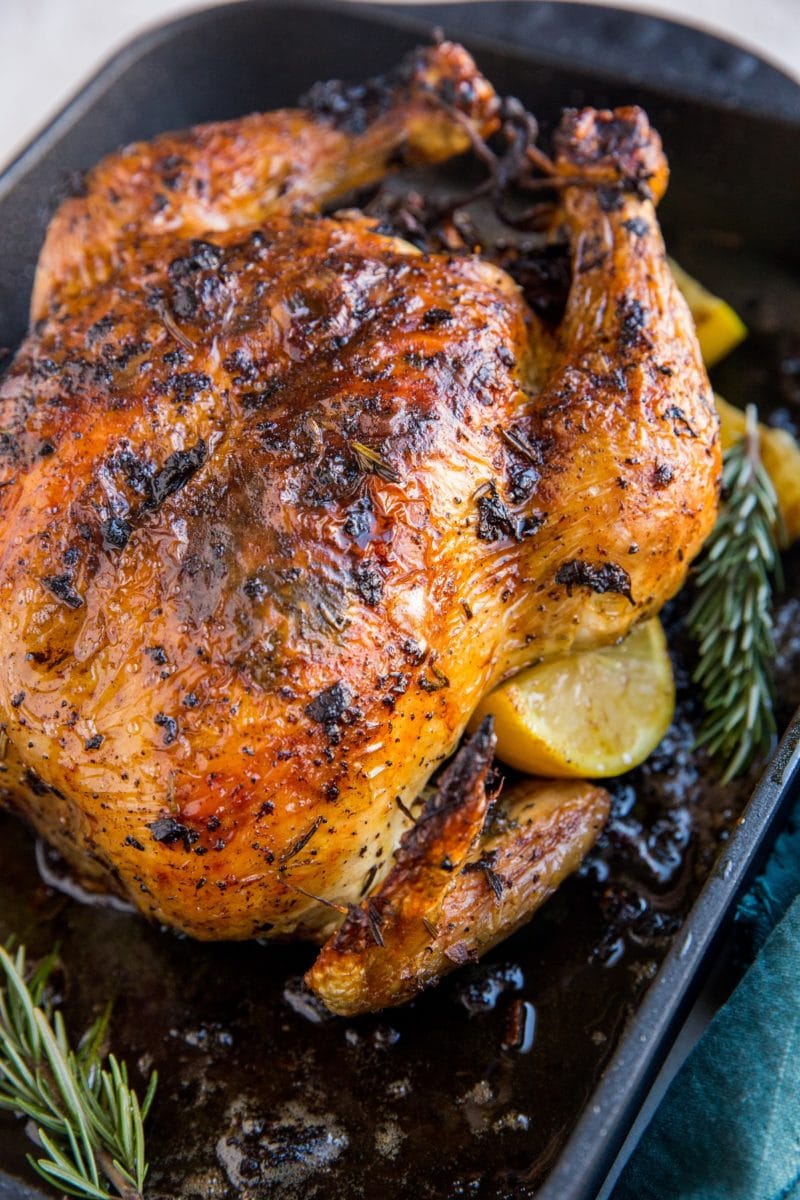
[{"x": 283, "y": 496}]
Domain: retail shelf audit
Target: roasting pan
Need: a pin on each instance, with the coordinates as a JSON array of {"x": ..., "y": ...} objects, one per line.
[{"x": 261, "y": 1096}]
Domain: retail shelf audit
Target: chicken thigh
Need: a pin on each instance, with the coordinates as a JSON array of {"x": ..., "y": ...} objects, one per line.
[{"x": 282, "y": 497}]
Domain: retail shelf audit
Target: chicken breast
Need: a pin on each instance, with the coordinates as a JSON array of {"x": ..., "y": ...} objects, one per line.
[{"x": 282, "y": 497}]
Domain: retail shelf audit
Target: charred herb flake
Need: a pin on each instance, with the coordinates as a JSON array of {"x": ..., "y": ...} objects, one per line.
[
  {"x": 600, "y": 578},
  {"x": 116, "y": 532},
  {"x": 303, "y": 840},
  {"x": 330, "y": 705},
  {"x": 369, "y": 583},
  {"x": 169, "y": 725},
  {"x": 62, "y": 589},
  {"x": 370, "y": 462},
  {"x": 494, "y": 519},
  {"x": 168, "y": 830},
  {"x": 177, "y": 471}
]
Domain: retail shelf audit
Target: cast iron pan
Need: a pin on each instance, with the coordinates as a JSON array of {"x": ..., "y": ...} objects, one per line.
[{"x": 261, "y": 1095}]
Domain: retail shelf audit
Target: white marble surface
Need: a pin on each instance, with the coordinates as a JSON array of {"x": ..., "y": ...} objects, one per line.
[{"x": 50, "y": 46}]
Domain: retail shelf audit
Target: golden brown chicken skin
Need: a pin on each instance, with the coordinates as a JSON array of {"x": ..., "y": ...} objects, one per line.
[{"x": 282, "y": 497}]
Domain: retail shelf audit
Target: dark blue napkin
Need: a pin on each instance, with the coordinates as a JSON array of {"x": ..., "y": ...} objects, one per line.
[{"x": 729, "y": 1126}]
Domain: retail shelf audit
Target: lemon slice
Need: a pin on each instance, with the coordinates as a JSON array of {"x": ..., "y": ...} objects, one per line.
[
  {"x": 595, "y": 714},
  {"x": 719, "y": 328}
]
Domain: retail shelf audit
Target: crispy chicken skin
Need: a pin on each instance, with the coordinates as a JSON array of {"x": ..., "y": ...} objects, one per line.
[{"x": 282, "y": 497}]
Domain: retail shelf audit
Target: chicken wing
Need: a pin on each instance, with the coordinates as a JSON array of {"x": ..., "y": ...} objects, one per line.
[{"x": 465, "y": 876}]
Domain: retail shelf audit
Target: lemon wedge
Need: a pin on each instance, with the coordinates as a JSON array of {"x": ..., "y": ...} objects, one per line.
[
  {"x": 595, "y": 714},
  {"x": 719, "y": 328},
  {"x": 780, "y": 455}
]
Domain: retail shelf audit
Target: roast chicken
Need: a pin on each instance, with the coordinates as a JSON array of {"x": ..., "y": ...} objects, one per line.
[{"x": 282, "y": 496}]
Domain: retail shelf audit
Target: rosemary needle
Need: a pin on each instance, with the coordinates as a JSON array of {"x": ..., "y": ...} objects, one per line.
[
  {"x": 81, "y": 1109},
  {"x": 730, "y": 619}
]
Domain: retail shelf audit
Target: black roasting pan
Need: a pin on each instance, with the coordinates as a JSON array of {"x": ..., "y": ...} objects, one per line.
[{"x": 261, "y": 1097}]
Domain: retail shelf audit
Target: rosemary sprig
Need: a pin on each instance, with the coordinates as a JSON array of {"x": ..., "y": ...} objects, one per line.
[
  {"x": 731, "y": 617},
  {"x": 80, "y": 1106}
]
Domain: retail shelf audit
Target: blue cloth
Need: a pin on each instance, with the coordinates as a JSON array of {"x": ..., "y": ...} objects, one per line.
[{"x": 729, "y": 1125}]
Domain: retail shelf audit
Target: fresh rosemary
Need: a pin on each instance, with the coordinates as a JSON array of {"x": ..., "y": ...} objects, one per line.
[
  {"x": 81, "y": 1109},
  {"x": 731, "y": 617}
]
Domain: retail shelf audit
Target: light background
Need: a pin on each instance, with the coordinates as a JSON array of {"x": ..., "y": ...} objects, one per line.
[{"x": 51, "y": 46}]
